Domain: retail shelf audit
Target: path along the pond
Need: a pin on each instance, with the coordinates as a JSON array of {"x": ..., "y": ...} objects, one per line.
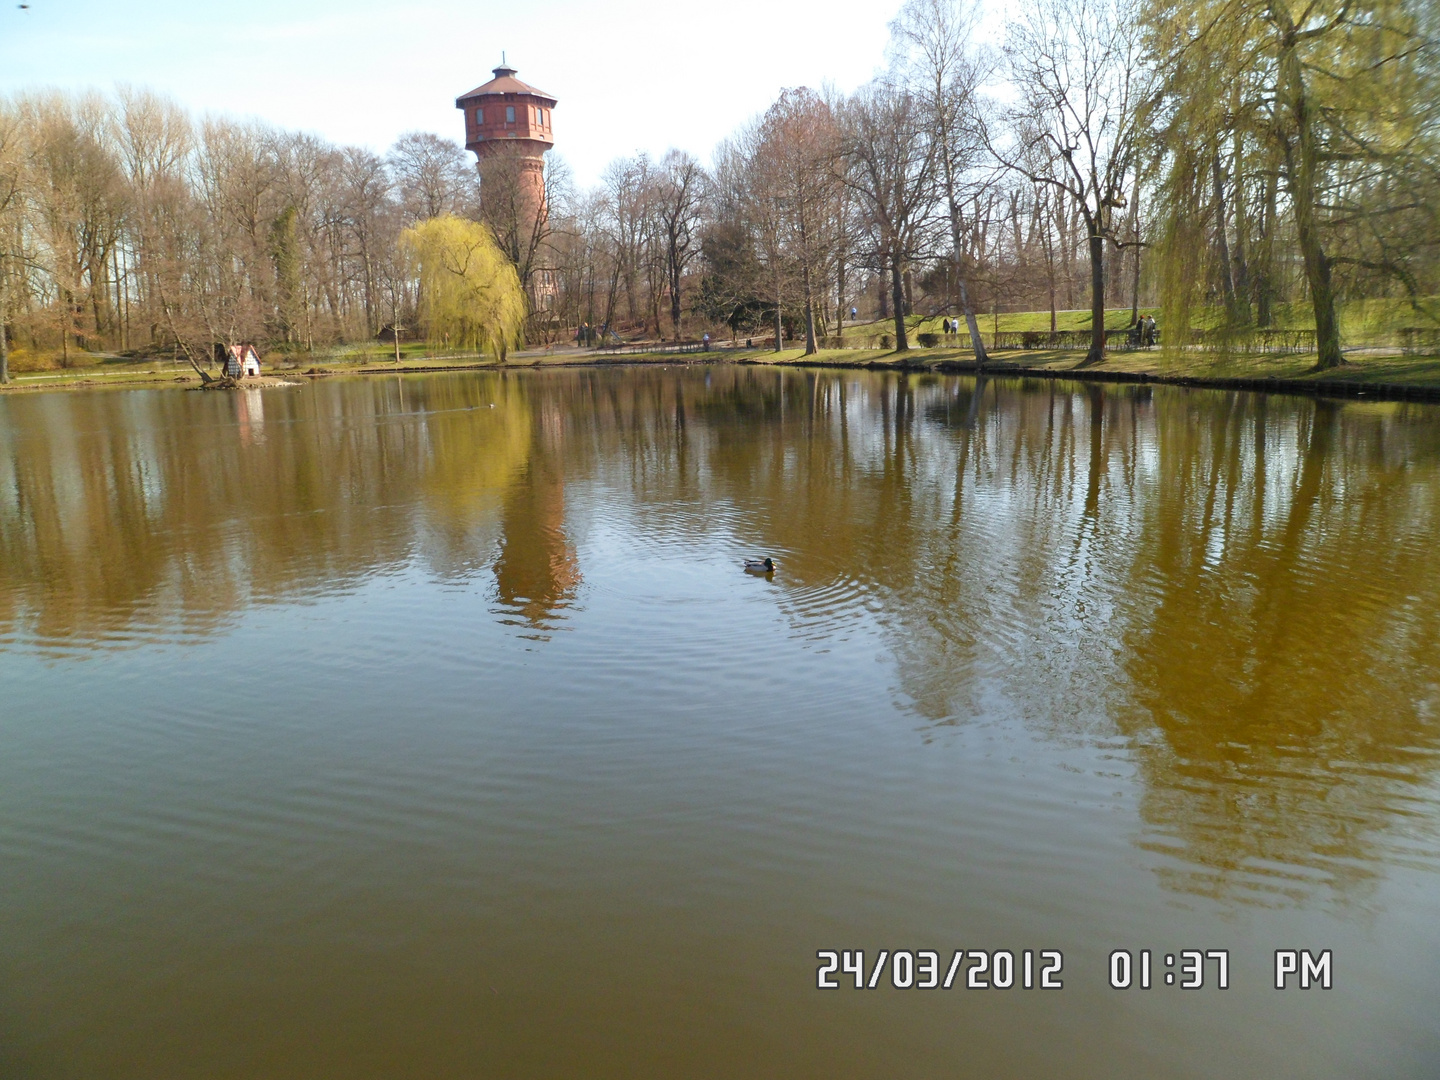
[{"x": 1379, "y": 374}]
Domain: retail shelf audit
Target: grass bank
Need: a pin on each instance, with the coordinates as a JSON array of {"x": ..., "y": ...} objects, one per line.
[
  {"x": 1362, "y": 322},
  {"x": 95, "y": 370},
  {"x": 1376, "y": 374}
]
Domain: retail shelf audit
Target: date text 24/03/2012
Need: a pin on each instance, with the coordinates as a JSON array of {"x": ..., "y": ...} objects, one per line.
[{"x": 922, "y": 969}]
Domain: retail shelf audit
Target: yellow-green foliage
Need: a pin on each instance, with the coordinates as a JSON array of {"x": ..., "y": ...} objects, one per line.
[{"x": 470, "y": 294}]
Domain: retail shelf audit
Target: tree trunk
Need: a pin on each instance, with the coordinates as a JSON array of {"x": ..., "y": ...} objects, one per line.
[
  {"x": 1301, "y": 160},
  {"x": 395, "y": 324},
  {"x": 809, "y": 309},
  {"x": 1114, "y": 269},
  {"x": 100, "y": 299},
  {"x": 674, "y": 291},
  {"x": 119, "y": 323},
  {"x": 125, "y": 309},
  {"x": 370, "y": 328},
  {"x": 1096, "y": 355},
  {"x": 1134, "y": 292},
  {"x": 65, "y": 306},
  {"x": 1264, "y": 281},
  {"x": 976, "y": 342},
  {"x": 1242, "y": 236},
  {"x": 205, "y": 378},
  {"x": 309, "y": 322},
  {"x": 4, "y": 341},
  {"x": 1222, "y": 243},
  {"x": 609, "y": 300},
  {"x": 779, "y": 325},
  {"x": 1317, "y": 274},
  {"x": 1135, "y": 240},
  {"x": 957, "y": 250},
  {"x": 897, "y": 296},
  {"x": 1067, "y": 272}
]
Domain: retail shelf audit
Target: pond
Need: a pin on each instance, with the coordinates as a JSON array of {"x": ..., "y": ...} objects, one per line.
[{"x": 431, "y": 727}]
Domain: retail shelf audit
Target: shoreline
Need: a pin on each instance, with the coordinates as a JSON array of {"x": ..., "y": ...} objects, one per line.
[
  {"x": 1284, "y": 375},
  {"x": 1321, "y": 385}
]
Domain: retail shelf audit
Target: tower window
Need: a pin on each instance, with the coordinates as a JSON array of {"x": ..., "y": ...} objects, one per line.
[
  {"x": 539, "y": 116},
  {"x": 479, "y": 116},
  {"x": 509, "y": 114}
]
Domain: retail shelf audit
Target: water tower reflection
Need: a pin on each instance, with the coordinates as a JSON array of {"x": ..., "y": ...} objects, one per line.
[{"x": 537, "y": 574}]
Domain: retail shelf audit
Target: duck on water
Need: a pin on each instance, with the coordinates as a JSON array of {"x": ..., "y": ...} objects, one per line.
[{"x": 760, "y": 566}]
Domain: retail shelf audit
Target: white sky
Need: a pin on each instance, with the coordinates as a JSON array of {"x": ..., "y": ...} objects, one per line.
[{"x": 629, "y": 74}]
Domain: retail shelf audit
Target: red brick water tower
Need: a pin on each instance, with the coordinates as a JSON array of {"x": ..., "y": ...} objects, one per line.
[{"x": 507, "y": 116}]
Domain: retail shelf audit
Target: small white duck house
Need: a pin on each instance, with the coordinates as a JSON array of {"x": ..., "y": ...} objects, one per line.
[{"x": 241, "y": 361}]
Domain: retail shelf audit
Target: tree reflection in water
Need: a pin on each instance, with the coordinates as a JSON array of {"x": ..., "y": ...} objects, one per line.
[{"x": 1243, "y": 590}]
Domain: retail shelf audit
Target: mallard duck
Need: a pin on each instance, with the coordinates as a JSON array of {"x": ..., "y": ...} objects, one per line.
[{"x": 760, "y": 566}]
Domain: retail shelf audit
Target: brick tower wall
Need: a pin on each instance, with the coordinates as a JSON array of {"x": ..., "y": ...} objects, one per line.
[{"x": 514, "y": 123}]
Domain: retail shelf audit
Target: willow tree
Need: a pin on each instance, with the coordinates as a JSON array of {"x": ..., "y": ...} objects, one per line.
[
  {"x": 470, "y": 294},
  {"x": 1337, "y": 99}
]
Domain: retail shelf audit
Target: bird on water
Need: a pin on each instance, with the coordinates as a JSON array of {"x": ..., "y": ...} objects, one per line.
[{"x": 760, "y": 566}]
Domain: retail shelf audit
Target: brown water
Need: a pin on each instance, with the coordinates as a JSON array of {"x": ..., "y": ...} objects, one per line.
[{"x": 430, "y": 727}]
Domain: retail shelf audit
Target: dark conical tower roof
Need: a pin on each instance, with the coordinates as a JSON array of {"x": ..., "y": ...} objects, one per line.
[{"x": 505, "y": 82}]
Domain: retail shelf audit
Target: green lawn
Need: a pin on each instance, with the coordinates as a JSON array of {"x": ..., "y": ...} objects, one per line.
[
  {"x": 1362, "y": 322},
  {"x": 1363, "y": 368},
  {"x": 98, "y": 370},
  {"x": 1007, "y": 322},
  {"x": 1370, "y": 369}
]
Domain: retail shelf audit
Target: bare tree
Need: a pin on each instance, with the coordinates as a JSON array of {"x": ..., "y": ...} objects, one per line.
[
  {"x": 679, "y": 189},
  {"x": 934, "y": 40},
  {"x": 9, "y": 232},
  {"x": 365, "y": 198},
  {"x": 893, "y": 162},
  {"x": 799, "y": 159},
  {"x": 761, "y": 200},
  {"x": 1080, "y": 74},
  {"x": 233, "y": 289},
  {"x": 77, "y": 204},
  {"x": 434, "y": 176}
]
